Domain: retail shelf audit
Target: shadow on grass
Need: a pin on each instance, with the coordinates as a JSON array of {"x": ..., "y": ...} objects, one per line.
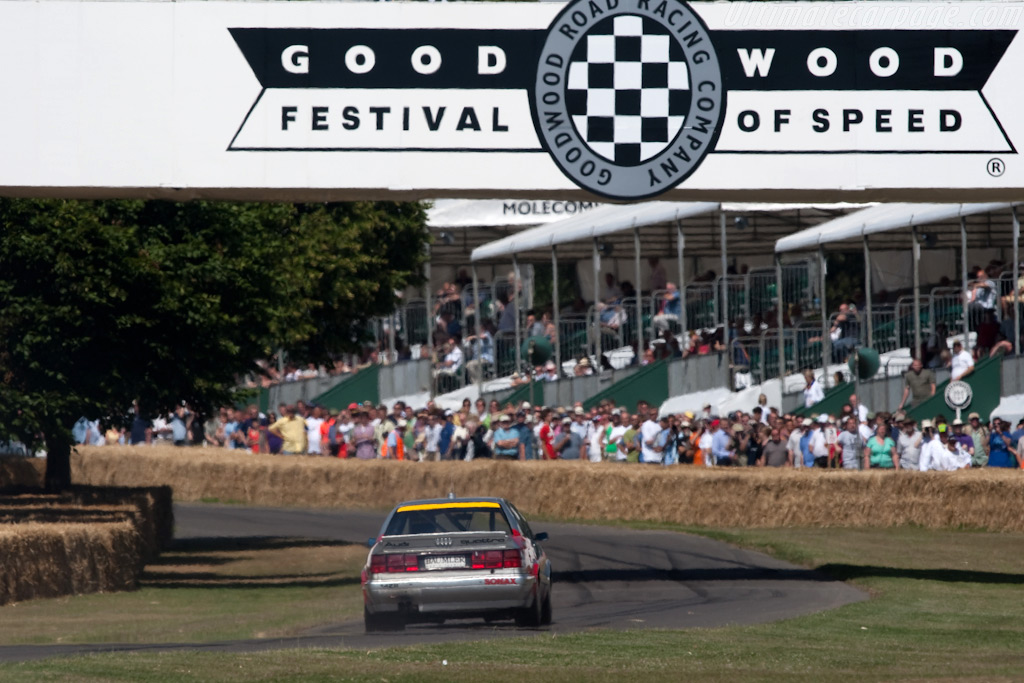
[
  {"x": 209, "y": 580},
  {"x": 233, "y": 544},
  {"x": 847, "y": 572},
  {"x": 203, "y": 555}
]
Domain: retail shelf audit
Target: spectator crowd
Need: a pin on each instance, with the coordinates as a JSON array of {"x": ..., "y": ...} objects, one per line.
[{"x": 852, "y": 439}]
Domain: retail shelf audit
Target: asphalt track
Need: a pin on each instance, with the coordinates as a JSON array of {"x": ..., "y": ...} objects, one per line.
[{"x": 605, "y": 578}]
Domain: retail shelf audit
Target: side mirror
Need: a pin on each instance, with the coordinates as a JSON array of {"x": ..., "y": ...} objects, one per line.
[
  {"x": 542, "y": 536},
  {"x": 370, "y": 542}
]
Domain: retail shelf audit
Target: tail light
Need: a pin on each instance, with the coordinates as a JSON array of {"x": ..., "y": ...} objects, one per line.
[
  {"x": 380, "y": 564},
  {"x": 512, "y": 559},
  {"x": 496, "y": 559}
]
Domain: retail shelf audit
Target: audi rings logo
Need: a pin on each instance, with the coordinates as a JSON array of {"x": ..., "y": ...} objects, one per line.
[
  {"x": 628, "y": 97},
  {"x": 443, "y": 541}
]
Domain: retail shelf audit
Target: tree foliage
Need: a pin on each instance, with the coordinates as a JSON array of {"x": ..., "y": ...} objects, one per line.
[{"x": 105, "y": 302}]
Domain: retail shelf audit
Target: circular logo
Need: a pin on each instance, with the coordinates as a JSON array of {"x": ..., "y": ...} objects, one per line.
[
  {"x": 958, "y": 395},
  {"x": 628, "y": 100}
]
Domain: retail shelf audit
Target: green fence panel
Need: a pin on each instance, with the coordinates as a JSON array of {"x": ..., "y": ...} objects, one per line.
[
  {"x": 362, "y": 386},
  {"x": 986, "y": 383},
  {"x": 649, "y": 383},
  {"x": 832, "y": 404},
  {"x": 532, "y": 392}
]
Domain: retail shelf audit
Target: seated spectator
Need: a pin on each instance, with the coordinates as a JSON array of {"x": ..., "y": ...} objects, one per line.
[
  {"x": 612, "y": 290},
  {"x": 482, "y": 350},
  {"x": 669, "y": 308},
  {"x": 982, "y": 296}
]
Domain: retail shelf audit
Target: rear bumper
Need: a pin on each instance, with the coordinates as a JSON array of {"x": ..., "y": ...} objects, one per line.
[{"x": 449, "y": 593}]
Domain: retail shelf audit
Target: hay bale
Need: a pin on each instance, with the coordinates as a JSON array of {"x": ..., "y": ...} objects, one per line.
[
  {"x": 18, "y": 472},
  {"x": 41, "y": 560},
  {"x": 740, "y": 497}
]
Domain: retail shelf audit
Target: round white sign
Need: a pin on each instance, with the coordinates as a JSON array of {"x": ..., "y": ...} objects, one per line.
[{"x": 958, "y": 395}]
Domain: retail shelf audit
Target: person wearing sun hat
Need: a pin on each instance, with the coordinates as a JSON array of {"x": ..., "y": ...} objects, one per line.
[{"x": 979, "y": 434}]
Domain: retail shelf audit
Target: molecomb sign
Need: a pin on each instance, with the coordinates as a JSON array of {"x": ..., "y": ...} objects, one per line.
[{"x": 620, "y": 99}]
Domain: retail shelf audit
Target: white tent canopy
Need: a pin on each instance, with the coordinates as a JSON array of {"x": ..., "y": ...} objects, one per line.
[
  {"x": 879, "y": 218},
  {"x": 602, "y": 221},
  {"x": 610, "y": 219}
]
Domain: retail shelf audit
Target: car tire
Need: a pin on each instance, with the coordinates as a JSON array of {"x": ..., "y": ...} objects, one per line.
[
  {"x": 530, "y": 617},
  {"x": 378, "y": 623},
  {"x": 545, "y": 610}
]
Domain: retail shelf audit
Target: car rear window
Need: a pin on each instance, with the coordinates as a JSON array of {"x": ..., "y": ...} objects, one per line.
[{"x": 433, "y": 519}]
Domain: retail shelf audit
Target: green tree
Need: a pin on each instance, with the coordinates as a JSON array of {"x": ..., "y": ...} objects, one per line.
[{"x": 106, "y": 302}]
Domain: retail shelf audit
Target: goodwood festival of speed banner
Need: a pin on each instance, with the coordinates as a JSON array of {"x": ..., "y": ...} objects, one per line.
[{"x": 618, "y": 99}]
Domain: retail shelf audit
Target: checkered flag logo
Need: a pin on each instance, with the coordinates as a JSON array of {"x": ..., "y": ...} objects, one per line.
[{"x": 628, "y": 89}]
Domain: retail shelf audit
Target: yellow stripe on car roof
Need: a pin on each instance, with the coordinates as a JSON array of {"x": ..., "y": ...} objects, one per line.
[{"x": 444, "y": 506}]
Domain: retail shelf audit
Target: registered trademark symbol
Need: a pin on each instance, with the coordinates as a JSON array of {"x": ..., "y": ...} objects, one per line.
[{"x": 995, "y": 167}]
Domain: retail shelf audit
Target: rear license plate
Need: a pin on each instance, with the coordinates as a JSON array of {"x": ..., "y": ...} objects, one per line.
[{"x": 444, "y": 562}]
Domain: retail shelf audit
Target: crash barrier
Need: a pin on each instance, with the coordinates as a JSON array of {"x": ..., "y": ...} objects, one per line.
[
  {"x": 718, "y": 497},
  {"x": 85, "y": 540}
]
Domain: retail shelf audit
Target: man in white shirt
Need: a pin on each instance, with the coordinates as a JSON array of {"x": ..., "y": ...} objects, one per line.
[
  {"x": 649, "y": 432},
  {"x": 819, "y": 447},
  {"x": 313, "y": 423},
  {"x": 962, "y": 364},
  {"x": 813, "y": 393},
  {"x": 793, "y": 444}
]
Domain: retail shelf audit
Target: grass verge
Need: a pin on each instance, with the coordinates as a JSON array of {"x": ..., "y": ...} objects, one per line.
[{"x": 947, "y": 606}]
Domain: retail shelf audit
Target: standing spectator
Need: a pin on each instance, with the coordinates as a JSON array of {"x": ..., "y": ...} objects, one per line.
[
  {"x": 721, "y": 444},
  {"x": 851, "y": 446},
  {"x": 213, "y": 429},
  {"x": 569, "y": 445},
  {"x": 756, "y": 441},
  {"x": 962, "y": 364},
  {"x": 813, "y": 393},
  {"x": 291, "y": 429},
  {"x": 794, "y": 446},
  {"x": 142, "y": 429},
  {"x": 819, "y": 445},
  {"x": 446, "y": 438},
  {"x": 880, "y": 451},
  {"x": 433, "y": 438},
  {"x": 775, "y": 453},
  {"x": 1001, "y": 453},
  {"x": 181, "y": 423},
  {"x": 525, "y": 436},
  {"x": 507, "y": 444},
  {"x": 394, "y": 446},
  {"x": 932, "y": 449},
  {"x": 629, "y": 447},
  {"x": 313, "y": 422},
  {"x": 908, "y": 445},
  {"x": 363, "y": 437},
  {"x": 966, "y": 443},
  {"x": 649, "y": 432},
  {"x": 658, "y": 278},
  {"x": 612, "y": 438},
  {"x": 979, "y": 434},
  {"x": 918, "y": 385}
]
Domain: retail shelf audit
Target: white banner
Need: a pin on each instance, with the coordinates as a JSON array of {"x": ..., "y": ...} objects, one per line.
[{"x": 615, "y": 99}]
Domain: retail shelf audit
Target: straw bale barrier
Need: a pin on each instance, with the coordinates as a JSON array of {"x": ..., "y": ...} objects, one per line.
[
  {"x": 80, "y": 541},
  {"x": 740, "y": 497},
  {"x": 19, "y": 471},
  {"x": 45, "y": 559}
]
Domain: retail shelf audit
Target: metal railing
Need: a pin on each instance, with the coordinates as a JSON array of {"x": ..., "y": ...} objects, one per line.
[{"x": 701, "y": 306}]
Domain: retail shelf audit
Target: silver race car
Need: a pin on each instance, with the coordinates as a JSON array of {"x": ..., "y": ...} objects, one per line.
[{"x": 456, "y": 558}]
